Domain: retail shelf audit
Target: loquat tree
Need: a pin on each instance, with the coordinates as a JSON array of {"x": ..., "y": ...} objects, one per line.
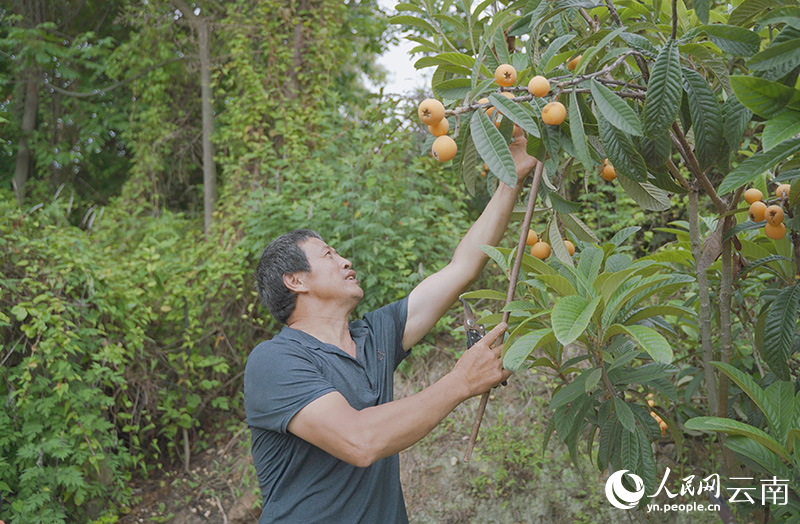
[{"x": 671, "y": 100}]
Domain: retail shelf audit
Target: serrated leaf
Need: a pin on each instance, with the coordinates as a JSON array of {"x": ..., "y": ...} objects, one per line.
[
  {"x": 522, "y": 347},
  {"x": 746, "y": 383},
  {"x": 620, "y": 151},
  {"x": 490, "y": 294},
  {"x": 757, "y": 164},
  {"x": 781, "y": 398},
  {"x": 571, "y": 315},
  {"x": 455, "y": 88},
  {"x": 750, "y": 9},
  {"x": 645, "y": 194},
  {"x": 468, "y": 163},
  {"x": 734, "y": 427},
  {"x": 789, "y": 15},
  {"x": 646, "y": 338},
  {"x": 579, "y": 228},
  {"x": 559, "y": 284},
  {"x": 783, "y": 127},
  {"x": 764, "y": 97},
  {"x": 733, "y": 39},
  {"x": 496, "y": 255},
  {"x": 757, "y": 452},
  {"x": 615, "y": 110},
  {"x": 701, "y": 8},
  {"x": 624, "y": 414},
  {"x": 515, "y": 113},
  {"x": 706, "y": 117},
  {"x": 779, "y": 331},
  {"x": 663, "y": 91},
  {"x": 735, "y": 118},
  {"x": 783, "y": 57},
  {"x": 578, "y": 134},
  {"x": 413, "y": 21},
  {"x": 492, "y": 148}
]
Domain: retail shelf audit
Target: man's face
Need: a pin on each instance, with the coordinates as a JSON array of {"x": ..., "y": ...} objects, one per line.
[{"x": 330, "y": 276}]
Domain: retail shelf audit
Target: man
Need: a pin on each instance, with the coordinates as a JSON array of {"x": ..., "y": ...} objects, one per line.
[{"x": 319, "y": 396}]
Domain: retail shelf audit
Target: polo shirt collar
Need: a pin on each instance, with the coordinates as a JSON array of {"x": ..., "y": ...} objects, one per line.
[{"x": 358, "y": 330}]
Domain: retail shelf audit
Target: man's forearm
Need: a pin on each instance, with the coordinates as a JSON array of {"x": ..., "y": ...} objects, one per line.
[
  {"x": 393, "y": 427},
  {"x": 487, "y": 230}
]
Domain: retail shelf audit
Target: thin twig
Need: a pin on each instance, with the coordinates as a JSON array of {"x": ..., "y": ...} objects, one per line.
[{"x": 512, "y": 286}]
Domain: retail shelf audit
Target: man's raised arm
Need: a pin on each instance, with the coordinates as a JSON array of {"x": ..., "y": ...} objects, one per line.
[{"x": 433, "y": 296}]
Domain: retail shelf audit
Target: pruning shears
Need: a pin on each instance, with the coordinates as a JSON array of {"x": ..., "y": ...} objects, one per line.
[{"x": 475, "y": 331}]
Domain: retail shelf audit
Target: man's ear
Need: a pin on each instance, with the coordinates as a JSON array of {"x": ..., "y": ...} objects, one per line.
[{"x": 295, "y": 282}]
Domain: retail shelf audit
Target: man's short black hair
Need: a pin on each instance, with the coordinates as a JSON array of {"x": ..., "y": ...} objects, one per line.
[{"x": 282, "y": 256}]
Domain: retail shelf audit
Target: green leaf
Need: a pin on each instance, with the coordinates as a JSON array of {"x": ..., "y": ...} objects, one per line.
[
  {"x": 646, "y": 338},
  {"x": 757, "y": 164},
  {"x": 735, "y": 118},
  {"x": 781, "y": 396},
  {"x": 624, "y": 414},
  {"x": 578, "y": 133},
  {"x": 779, "y": 331},
  {"x": 733, "y": 39},
  {"x": 764, "y": 97},
  {"x": 784, "y": 57},
  {"x": 645, "y": 194},
  {"x": 557, "y": 245},
  {"x": 734, "y": 427},
  {"x": 663, "y": 91},
  {"x": 701, "y": 8},
  {"x": 579, "y": 228},
  {"x": 652, "y": 311},
  {"x": 413, "y": 21},
  {"x": 706, "y": 117},
  {"x": 492, "y": 148},
  {"x": 496, "y": 255},
  {"x": 490, "y": 294},
  {"x": 522, "y": 347},
  {"x": 629, "y": 449},
  {"x": 593, "y": 379},
  {"x": 454, "y": 89},
  {"x": 789, "y": 15},
  {"x": 746, "y": 383},
  {"x": 559, "y": 284},
  {"x": 570, "y": 392},
  {"x": 589, "y": 263},
  {"x": 615, "y": 110},
  {"x": 783, "y": 127},
  {"x": 745, "y": 12},
  {"x": 757, "y": 452},
  {"x": 551, "y": 51},
  {"x": 621, "y": 152},
  {"x": 514, "y": 112},
  {"x": 571, "y": 316}
]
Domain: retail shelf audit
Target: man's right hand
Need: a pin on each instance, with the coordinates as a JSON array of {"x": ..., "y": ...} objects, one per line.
[{"x": 480, "y": 368}]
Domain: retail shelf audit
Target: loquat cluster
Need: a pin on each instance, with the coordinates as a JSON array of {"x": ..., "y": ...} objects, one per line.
[
  {"x": 541, "y": 249},
  {"x": 772, "y": 214},
  {"x": 663, "y": 425},
  {"x": 431, "y": 113}
]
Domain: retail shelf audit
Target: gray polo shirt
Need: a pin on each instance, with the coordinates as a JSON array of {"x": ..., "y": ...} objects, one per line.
[{"x": 301, "y": 483}]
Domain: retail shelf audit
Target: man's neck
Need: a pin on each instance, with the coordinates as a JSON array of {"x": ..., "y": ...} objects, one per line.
[{"x": 333, "y": 330}]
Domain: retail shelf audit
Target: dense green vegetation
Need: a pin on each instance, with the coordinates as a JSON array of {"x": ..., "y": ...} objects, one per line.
[{"x": 150, "y": 150}]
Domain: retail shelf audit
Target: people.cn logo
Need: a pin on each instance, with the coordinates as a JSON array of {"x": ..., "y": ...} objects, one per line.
[{"x": 618, "y": 495}]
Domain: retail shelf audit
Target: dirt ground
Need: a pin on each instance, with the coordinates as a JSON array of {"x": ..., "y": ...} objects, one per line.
[{"x": 509, "y": 480}]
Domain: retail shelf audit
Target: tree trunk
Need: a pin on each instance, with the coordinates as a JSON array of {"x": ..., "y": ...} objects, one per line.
[
  {"x": 705, "y": 303},
  {"x": 29, "y": 111},
  {"x": 209, "y": 169},
  {"x": 206, "y": 99}
]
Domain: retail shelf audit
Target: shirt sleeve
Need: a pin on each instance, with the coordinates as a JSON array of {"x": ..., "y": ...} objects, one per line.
[
  {"x": 389, "y": 324},
  {"x": 278, "y": 383}
]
